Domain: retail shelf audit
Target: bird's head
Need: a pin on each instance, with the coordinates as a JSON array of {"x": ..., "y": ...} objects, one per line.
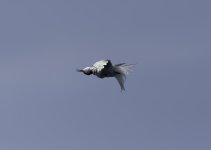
[{"x": 86, "y": 71}]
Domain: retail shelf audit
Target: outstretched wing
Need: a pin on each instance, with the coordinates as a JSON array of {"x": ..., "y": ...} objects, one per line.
[{"x": 121, "y": 80}]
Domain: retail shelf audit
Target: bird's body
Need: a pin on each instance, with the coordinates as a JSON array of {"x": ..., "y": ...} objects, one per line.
[{"x": 104, "y": 68}]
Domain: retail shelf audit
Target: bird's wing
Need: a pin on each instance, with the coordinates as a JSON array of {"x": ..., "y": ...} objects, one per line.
[
  {"x": 121, "y": 80},
  {"x": 119, "y": 64},
  {"x": 102, "y": 64}
]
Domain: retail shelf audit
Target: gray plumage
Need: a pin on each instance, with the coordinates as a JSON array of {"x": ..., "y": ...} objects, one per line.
[{"x": 104, "y": 68}]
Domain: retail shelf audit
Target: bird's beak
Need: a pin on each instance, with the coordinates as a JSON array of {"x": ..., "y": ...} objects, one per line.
[{"x": 79, "y": 70}]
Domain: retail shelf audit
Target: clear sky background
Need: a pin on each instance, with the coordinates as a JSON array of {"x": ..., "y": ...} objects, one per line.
[{"x": 46, "y": 105}]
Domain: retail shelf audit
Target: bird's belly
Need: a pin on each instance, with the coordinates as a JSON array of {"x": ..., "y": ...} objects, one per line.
[{"x": 104, "y": 75}]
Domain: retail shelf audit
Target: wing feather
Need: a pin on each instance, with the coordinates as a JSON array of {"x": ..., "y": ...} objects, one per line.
[
  {"x": 121, "y": 80},
  {"x": 102, "y": 64}
]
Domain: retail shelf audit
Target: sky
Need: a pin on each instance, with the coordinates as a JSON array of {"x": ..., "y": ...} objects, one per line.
[{"x": 46, "y": 105}]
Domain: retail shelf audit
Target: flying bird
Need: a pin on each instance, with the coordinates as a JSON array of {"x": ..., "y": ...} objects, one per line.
[{"x": 104, "y": 68}]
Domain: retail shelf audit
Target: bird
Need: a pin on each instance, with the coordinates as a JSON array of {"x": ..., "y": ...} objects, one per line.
[{"x": 105, "y": 69}]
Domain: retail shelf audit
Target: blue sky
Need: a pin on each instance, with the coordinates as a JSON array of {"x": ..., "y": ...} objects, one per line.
[{"x": 46, "y": 104}]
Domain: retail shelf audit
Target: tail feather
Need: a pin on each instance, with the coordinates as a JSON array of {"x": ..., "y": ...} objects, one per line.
[{"x": 122, "y": 70}]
